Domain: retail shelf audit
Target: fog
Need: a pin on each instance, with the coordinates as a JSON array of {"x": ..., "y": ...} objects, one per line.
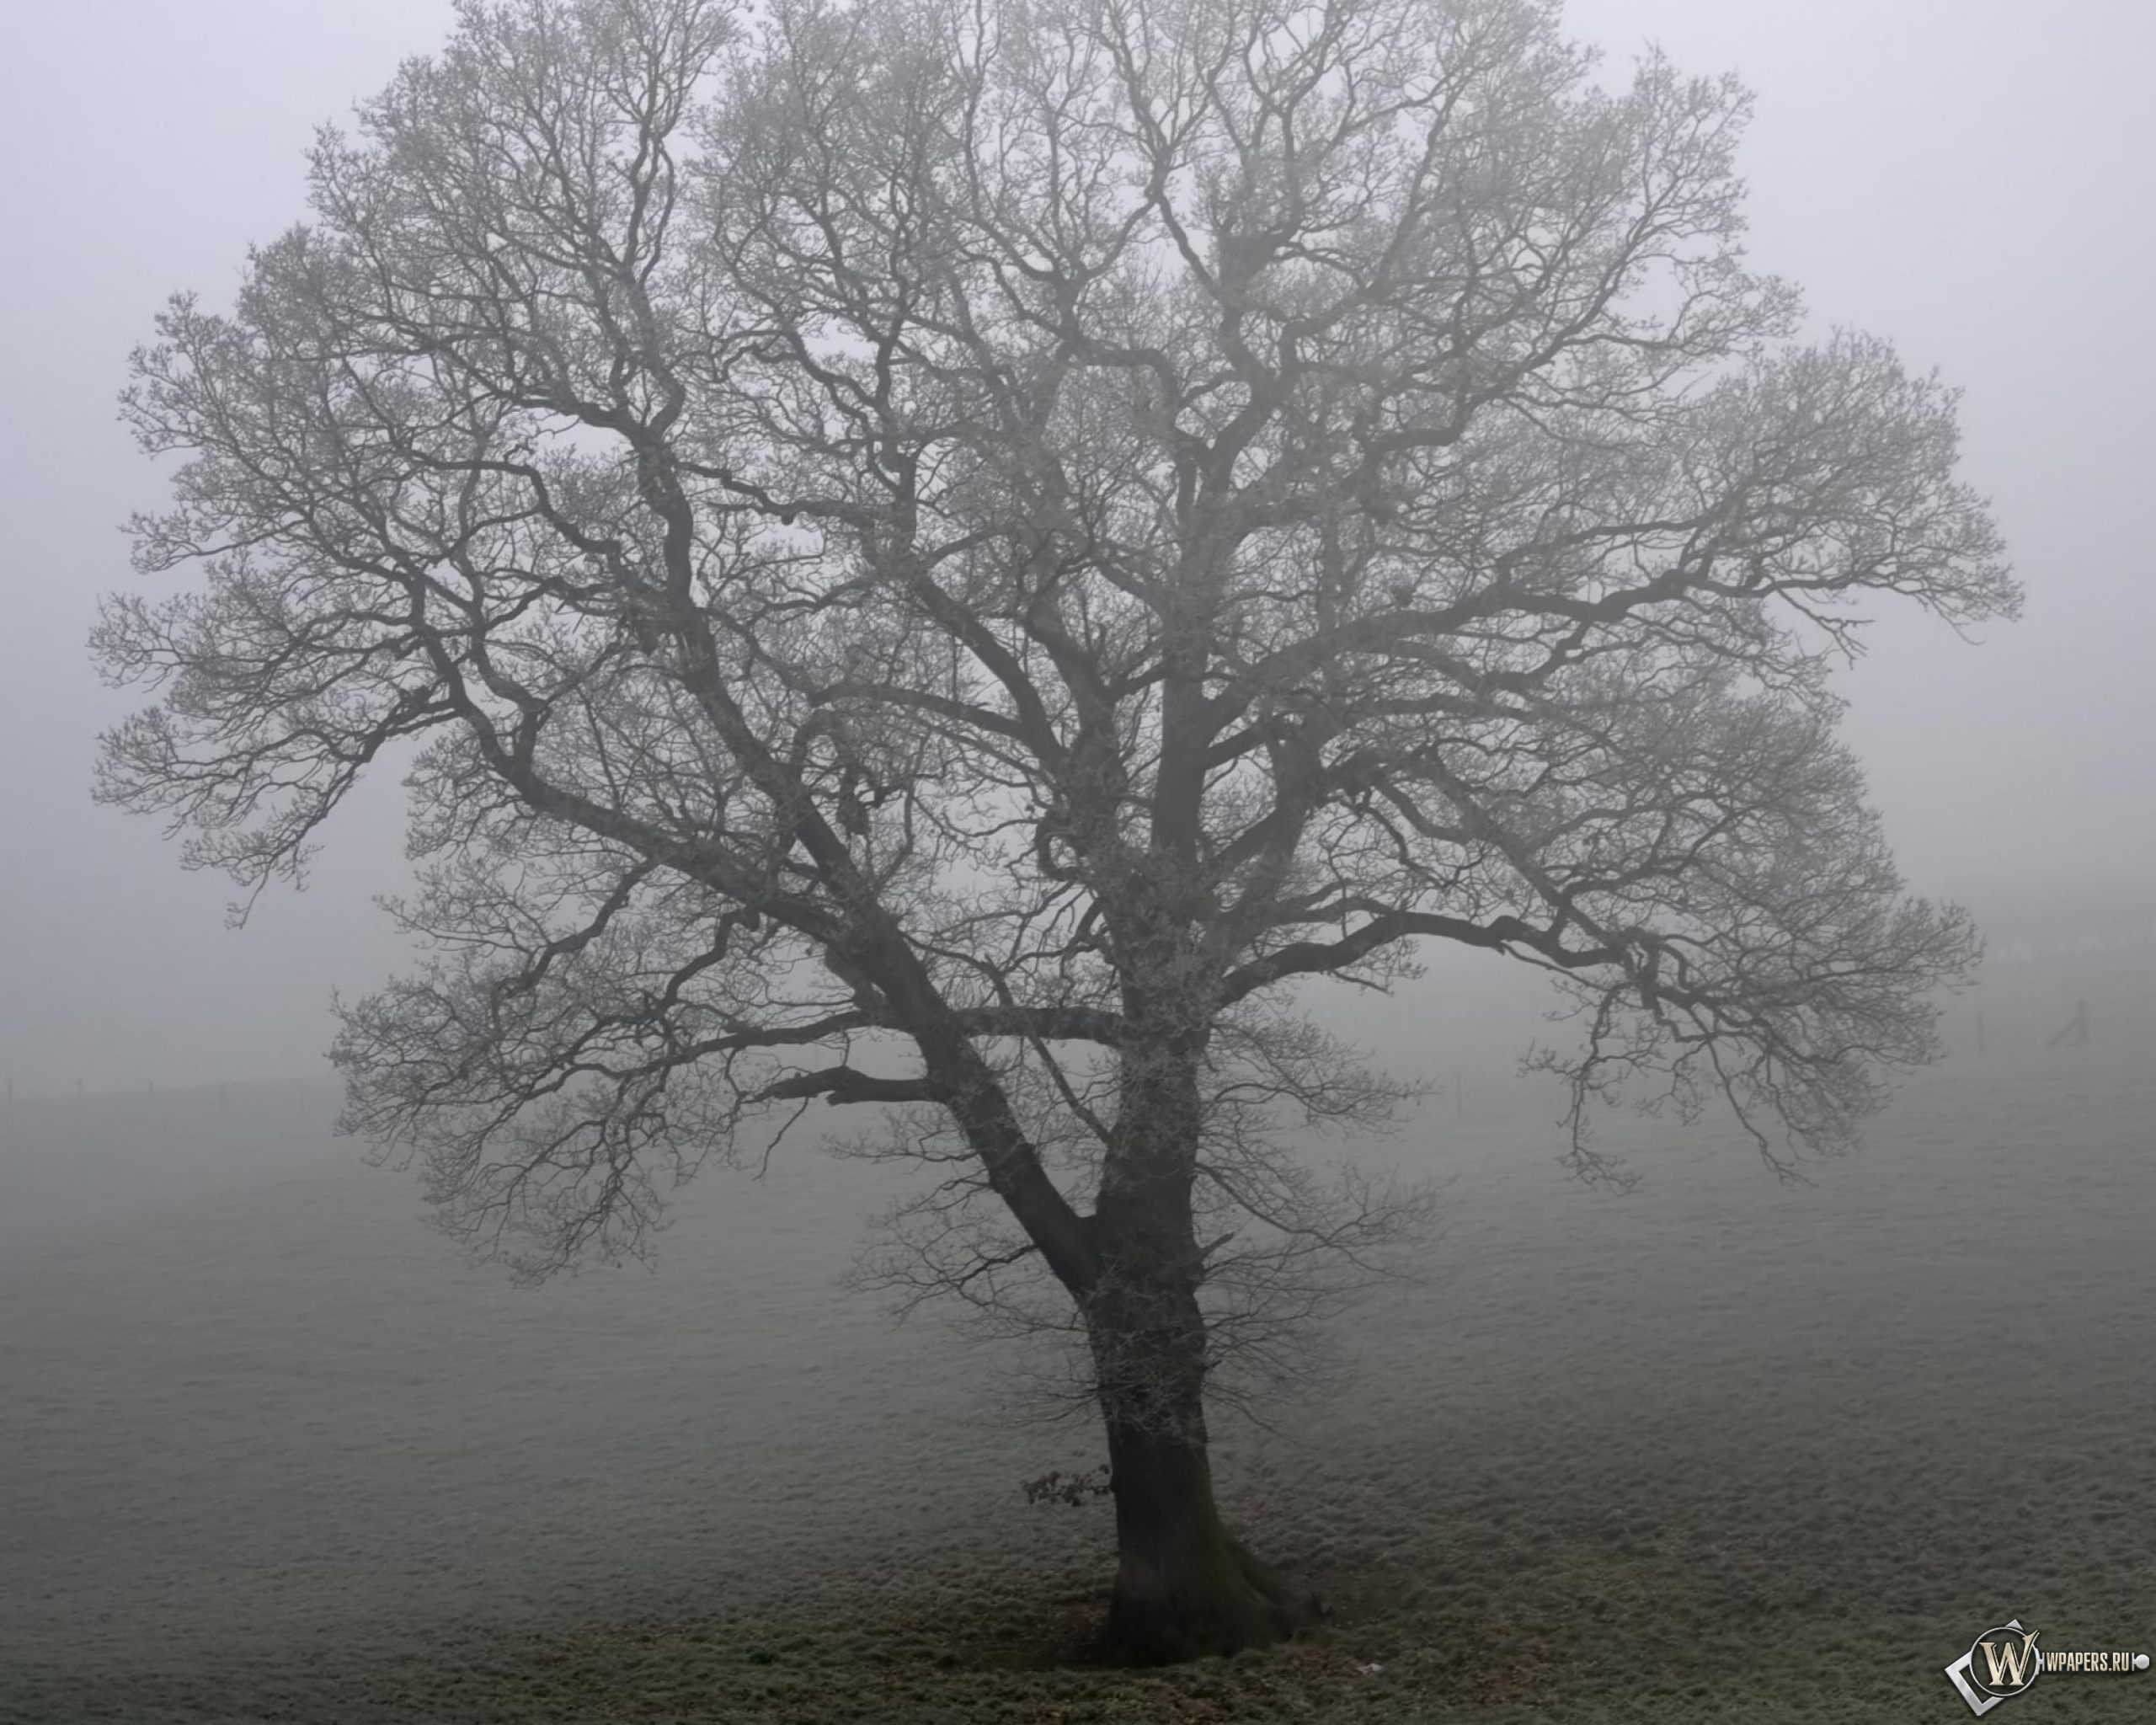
[
  {"x": 248, "y": 1400},
  {"x": 1969, "y": 179}
]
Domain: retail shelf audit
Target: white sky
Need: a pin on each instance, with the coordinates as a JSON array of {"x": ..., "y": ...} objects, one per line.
[{"x": 1970, "y": 177}]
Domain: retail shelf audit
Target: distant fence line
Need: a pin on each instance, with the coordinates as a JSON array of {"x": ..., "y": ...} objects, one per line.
[
  {"x": 83, "y": 1090},
  {"x": 2021, "y": 941}
]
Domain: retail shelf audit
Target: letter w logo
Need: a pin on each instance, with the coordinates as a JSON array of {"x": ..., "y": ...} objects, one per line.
[
  {"x": 2011, "y": 1667},
  {"x": 2012, "y": 1664}
]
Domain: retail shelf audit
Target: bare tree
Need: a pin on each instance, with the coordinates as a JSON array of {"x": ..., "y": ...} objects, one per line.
[{"x": 953, "y": 554}]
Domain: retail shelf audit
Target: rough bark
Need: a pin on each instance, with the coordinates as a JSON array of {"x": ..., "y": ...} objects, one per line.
[{"x": 1185, "y": 1586}]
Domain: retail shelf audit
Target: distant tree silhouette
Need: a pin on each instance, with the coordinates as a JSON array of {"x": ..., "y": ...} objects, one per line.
[
  {"x": 951, "y": 555},
  {"x": 2077, "y": 1028}
]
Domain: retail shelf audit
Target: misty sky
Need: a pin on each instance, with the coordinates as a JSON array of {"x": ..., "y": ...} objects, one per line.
[{"x": 1970, "y": 179}]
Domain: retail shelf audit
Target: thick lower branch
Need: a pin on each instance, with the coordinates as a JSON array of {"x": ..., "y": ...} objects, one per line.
[
  {"x": 1322, "y": 957},
  {"x": 842, "y": 1084}
]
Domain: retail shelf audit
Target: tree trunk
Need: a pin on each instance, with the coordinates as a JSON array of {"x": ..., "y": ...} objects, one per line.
[{"x": 1184, "y": 1586}]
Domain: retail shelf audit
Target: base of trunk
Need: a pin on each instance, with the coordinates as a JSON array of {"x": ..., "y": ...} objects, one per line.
[
  {"x": 1229, "y": 1602},
  {"x": 1185, "y": 1588}
]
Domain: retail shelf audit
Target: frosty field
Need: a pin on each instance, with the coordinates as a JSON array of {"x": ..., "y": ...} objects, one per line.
[{"x": 270, "y": 1447}]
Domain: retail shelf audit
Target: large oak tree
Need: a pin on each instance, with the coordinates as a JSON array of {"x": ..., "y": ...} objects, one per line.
[{"x": 956, "y": 555}]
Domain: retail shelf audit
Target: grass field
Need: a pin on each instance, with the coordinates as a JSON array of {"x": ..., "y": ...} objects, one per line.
[{"x": 272, "y": 1449}]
